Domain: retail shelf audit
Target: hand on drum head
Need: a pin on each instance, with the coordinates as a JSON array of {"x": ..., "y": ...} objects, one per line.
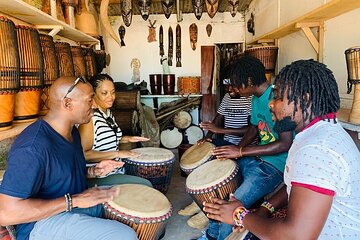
[
  {"x": 221, "y": 210},
  {"x": 126, "y": 154},
  {"x": 205, "y": 139},
  {"x": 94, "y": 196},
  {"x": 226, "y": 152},
  {"x": 138, "y": 139},
  {"x": 209, "y": 126},
  {"x": 105, "y": 167}
]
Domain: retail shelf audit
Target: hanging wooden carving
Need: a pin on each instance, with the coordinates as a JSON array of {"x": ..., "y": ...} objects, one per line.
[
  {"x": 171, "y": 46},
  {"x": 122, "y": 34},
  {"x": 144, "y": 7},
  {"x": 193, "y": 31},
  {"x": 233, "y": 5},
  {"x": 105, "y": 20},
  {"x": 198, "y": 7},
  {"x": 152, "y": 32},
  {"x": 126, "y": 11},
  {"x": 212, "y": 7},
  {"x": 208, "y": 29},
  {"x": 178, "y": 46},
  {"x": 168, "y": 6},
  {"x": 161, "y": 42}
]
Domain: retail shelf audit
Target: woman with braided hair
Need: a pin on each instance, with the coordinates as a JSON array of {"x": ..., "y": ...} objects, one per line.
[{"x": 322, "y": 191}]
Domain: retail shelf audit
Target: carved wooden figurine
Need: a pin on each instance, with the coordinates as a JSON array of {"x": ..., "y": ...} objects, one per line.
[
  {"x": 178, "y": 46},
  {"x": 161, "y": 43},
  {"x": 208, "y": 29},
  {"x": 168, "y": 6},
  {"x": 212, "y": 7},
  {"x": 193, "y": 31},
  {"x": 126, "y": 11},
  {"x": 144, "y": 7},
  {"x": 122, "y": 34},
  {"x": 198, "y": 7},
  {"x": 171, "y": 46},
  {"x": 152, "y": 32}
]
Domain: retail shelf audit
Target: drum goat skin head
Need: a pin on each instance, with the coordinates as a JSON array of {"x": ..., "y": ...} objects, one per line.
[
  {"x": 193, "y": 30},
  {"x": 126, "y": 11},
  {"x": 198, "y": 7},
  {"x": 144, "y": 7},
  {"x": 212, "y": 7},
  {"x": 168, "y": 6},
  {"x": 233, "y": 4}
]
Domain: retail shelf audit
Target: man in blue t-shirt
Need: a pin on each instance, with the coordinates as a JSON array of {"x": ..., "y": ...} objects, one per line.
[
  {"x": 261, "y": 166},
  {"x": 44, "y": 190}
]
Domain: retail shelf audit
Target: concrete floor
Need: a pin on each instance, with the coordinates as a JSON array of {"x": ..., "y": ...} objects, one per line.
[{"x": 176, "y": 228}]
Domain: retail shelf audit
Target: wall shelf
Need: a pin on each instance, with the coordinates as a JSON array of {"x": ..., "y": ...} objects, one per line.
[
  {"x": 325, "y": 12},
  {"x": 27, "y": 13}
]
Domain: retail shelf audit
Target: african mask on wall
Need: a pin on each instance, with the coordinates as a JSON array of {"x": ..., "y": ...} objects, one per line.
[
  {"x": 208, "y": 30},
  {"x": 233, "y": 7},
  {"x": 122, "y": 34},
  {"x": 168, "y": 6},
  {"x": 198, "y": 7},
  {"x": 193, "y": 32},
  {"x": 212, "y": 7},
  {"x": 144, "y": 7},
  {"x": 126, "y": 11}
]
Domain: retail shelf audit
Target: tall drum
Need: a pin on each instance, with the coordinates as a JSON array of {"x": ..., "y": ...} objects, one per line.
[
  {"x": 154, "y": 164},
  {"x": 27, "y": 100},
  {"x": 266, "y": 54},
  {"x": 353, "y": 68},
  {"x": 79, "y": 61},
  {"x": 9, "y": 72},
  {"x": 66, "y": 65},
  {"x": 144, "y": 209},
  {"x": 51, "y": 69},
  {"x": 91, "y": 68}
]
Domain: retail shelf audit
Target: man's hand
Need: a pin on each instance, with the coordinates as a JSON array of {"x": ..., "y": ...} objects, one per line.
[
  {"x": 221, "y": 210},
  {"x": 105, "y": 167},
  {"x": 226, "y": 152},
  {"x": 94, "y": 196}
]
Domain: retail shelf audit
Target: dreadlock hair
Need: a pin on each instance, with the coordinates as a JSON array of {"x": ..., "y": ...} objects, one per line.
[
  {"x": 309, "y": 83},
  {"x": 97, "y": 79},
  {"x": 245, "y": 68}
]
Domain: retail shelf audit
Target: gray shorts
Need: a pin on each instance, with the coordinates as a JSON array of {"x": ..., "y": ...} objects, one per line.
[{"x": 75, "y": 226}]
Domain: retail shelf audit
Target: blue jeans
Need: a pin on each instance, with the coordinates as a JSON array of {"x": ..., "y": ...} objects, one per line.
[
  {"x": 81, "y": 224},
  {"x": 258, "y": 179}
]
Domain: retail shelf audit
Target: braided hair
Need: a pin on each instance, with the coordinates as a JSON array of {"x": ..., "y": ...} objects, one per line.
[
  {"x": 246, "y": 68},
  {"x": 97, "y": 79},
  {"x": 315, "y": 79}
]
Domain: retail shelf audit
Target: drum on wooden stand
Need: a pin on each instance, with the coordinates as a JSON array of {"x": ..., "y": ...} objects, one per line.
[
  {"x": 51, "y": 70},
  {"x": 128, "y": 121},
  {"x": 9, "y": 72},
  {"x": 154, "y": 164},
  {"x": 216, "y": 178},
  {"x": 353, "y": 69},
  {"x": 195, "y": 156},
  {"x": 144, "y": 209},
  {"x": 182, "y": 120},
  {"x": 171, "y": 137},
  {"x": 27, "y": 100},
  {"x": 193, "y": 134},
  {"x": 66, "y": 65}
]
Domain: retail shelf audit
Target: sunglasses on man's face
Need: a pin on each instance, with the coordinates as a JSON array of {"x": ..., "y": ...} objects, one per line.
[{"x": 79, "y": 79}]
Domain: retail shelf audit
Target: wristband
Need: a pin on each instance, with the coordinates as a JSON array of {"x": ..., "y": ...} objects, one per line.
[
  {"x": 68, "y": 200},
  {"x": 268, "y": 206},
  {"x": 239, "y": 215},
  {"x": 240, "y": 152}
]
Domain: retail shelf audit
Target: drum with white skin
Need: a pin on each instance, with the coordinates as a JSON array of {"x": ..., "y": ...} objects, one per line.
[{"x": 195, "y": 156}]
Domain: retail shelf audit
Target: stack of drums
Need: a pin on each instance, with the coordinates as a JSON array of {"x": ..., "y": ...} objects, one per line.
[
  {"x": 353, "y": 68},
  {"x": 189, "y": 85},
  {"x": 66, "y": 65},
  {"x": 144, "y": 209},
  {"x": 51, "y": 70},
  {"x": 154, "y": 164},
  {"x": 267, "y": 55},
  {"x": 9, "y": 72},
  {"x": 27, "y": 100}
]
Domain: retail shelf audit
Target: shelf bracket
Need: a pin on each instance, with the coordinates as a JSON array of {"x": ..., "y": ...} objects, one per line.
[
  {"x": 54, "y": 29},
  {"x": 316, "y": 43}
]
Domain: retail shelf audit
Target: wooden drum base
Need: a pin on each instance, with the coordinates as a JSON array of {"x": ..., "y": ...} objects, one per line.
[{"x": 355, "y": 110}]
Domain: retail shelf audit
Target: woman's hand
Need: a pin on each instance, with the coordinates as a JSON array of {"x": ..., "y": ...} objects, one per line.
[
  {"x": 203, "y": 140},
  {"x": 226, "y": 152},
  {"x": 127, "y": 154},
  {"x": 209, "y": 126},
  {"x": 105, "y": 167},
  {"x": 222, "y": 210},
  {"x": 94, "y": 196},
  {"x": 137, "y": 139}
]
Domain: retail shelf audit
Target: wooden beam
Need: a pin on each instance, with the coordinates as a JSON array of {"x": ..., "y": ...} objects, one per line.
[{"x": 312, "y": 39}]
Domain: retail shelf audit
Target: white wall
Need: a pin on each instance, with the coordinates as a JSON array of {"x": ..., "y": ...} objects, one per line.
[
  {"x": 341, "y": 33},
  {"x": 225, "y": 29}
]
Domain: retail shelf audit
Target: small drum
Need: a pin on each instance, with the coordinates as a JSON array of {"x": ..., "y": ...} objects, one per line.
[
  {"x": 155, "y": 83},
  {"x": 266, "y": 54},
  {"x": 196, "y": 156},
  {"x": 154, "y": 164},
  {"x": 128, "y": 121},
  {"x": 144, "y": 209},
  {"x": 182, "y": 120},
  {"x": 187, "y": 85},
  {"x": 193, "y": 134},
  {"x": 168, "y": 81},
  {"x": 353, "y": 68},
  {"x": 66, "y": 65},
  {"x": 79, "y": 61},
  {"x": 215, "y": 178},
  {"x": 127, "y": 100},
  {"x": 9, "y": 72},
  {"x": 171, "y": 137}
]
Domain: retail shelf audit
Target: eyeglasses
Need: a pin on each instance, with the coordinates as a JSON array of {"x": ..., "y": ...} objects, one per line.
[{"x": 79, "y": 79}]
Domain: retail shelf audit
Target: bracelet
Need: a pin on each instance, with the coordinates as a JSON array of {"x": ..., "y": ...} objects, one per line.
[
  {"x": 240, "y": 151},
  {"x": 239, "y": 215},
  {"x": 68, "y": 200},
  {"x": 268, "y": 206}
]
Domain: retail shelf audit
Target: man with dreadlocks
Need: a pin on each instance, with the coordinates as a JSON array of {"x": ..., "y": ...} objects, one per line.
[
  {"x": 261, "y": 166},
  {"x": 322, "y": 170}
]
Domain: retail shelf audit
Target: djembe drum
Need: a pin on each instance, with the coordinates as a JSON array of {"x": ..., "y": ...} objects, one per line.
[
  {"x": 9, "y": 72},
  {"x": 51, "y": 70},
  {"x": 64, "y": 56},
  {"x": 154, "y": 164},
  {"x": 353, "y": 69},
  {"x": 144, "y": 209},
  {"x": 193, "y": 134},
  {"x": 182, "y": 120},
  {"x": 79, "y": 61},
  {"x": 91, "y": 68},
  {"x": 171, "y": 137},
  {"x": 27, "y": 100},
  {"x": 267, "y": 55},
  {"x": 215, "y": 178},
  {"x": 195, "y": 156}
]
